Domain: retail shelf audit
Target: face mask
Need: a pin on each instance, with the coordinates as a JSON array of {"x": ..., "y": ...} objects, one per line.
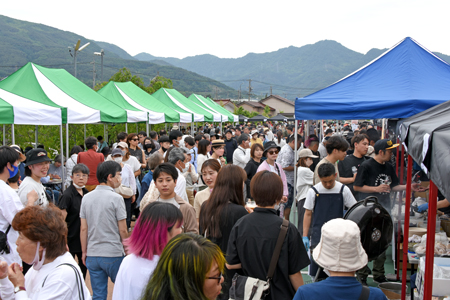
[
  {"x": 37, "y": 264},
  {"x": 164, "y": 149},
  {"x": 124, "y": 152},
  {"x": 118, "y": 159},
  {"x": 234, "y": 134},
  {"x": 78, "y": 187},
  {"x": 13, "y": 172},
  {"x": 185, "y": 168},
  {"x": 147, "y": 146}
]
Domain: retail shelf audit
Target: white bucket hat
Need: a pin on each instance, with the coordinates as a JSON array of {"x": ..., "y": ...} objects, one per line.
[
  {"x": 340, "y": 248},
  {"x": 306, "y": 153}
]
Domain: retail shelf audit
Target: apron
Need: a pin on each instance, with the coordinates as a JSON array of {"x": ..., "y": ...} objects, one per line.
[{"x": 326, "y": 208}]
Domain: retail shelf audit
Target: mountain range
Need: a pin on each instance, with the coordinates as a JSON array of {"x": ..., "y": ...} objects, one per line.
[
  {"x": 23, "y": 42},
  {"x": 290, "y": 72}
]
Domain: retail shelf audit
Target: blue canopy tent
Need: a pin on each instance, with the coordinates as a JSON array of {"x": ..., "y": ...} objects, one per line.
[{"x": 402, "y": 82}]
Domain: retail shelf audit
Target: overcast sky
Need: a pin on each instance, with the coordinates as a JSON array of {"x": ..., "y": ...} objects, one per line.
[{"x": 180, "y": 28}]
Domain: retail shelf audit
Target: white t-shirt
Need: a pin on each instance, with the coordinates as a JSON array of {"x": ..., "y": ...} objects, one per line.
[
  {"x": 128, "y": 178},
  {"x": 133, "y": 276},
  {"x": 180, "y": 188},
  {"x": 305, "y": 179},
  {"x": 349, "y": 200},
  {"x": 10, "y": 205},
  {"x": 28, "y": 184},
  {"x": 133, "y": 163},
  {"x": 60, "y": 282}
]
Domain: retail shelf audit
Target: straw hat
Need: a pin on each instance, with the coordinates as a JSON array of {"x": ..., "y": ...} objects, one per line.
[
  {"x": 340, "y": 248},
  {"x": 306, "y": 153},
  {"x": 217, "y": 143}
]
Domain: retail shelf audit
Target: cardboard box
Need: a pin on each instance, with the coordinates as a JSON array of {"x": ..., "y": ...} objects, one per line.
[{"x": 441, "y": 287}]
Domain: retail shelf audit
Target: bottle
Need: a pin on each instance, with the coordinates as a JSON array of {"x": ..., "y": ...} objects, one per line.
[{"x": 354, "y": 169}]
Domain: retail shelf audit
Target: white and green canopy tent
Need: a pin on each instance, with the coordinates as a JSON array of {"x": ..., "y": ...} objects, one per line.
[
  {"x": 180, "y": 103},
  {"x": 226, "y": 115},
  {"x": 56, "y": 87},
  {"x": 131, "y": 97}
]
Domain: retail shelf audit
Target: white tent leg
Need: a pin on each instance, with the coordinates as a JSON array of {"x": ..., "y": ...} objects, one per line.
[
  {"x": 165, "y": 127},
  {"x": 13, "y": 136},
  {"x": 294, "y": 203},
  {"x": 67, "y": 141},
  {"x": 192, "y": 128},
  {"x": 61, "y": 151},
  {"x": 126, "y": 127},
  {"x": 147, "y": 127},
  {"x": 104, "y": 132},
  {"x": 36, "y": 136}
]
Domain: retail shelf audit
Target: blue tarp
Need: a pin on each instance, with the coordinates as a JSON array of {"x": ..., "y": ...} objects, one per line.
[{"x": 400, "y": 83}]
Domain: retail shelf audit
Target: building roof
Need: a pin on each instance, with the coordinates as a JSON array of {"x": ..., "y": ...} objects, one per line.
[{"x": 279, "y": 98}]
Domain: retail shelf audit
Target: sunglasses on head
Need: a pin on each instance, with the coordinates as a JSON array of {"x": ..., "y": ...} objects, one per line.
[{"x": 271, "y": 152}]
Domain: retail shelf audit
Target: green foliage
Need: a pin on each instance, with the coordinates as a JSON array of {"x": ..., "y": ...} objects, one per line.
[
  {"x": 241, "y": 111},
  {"x": 266, "y": 112}
]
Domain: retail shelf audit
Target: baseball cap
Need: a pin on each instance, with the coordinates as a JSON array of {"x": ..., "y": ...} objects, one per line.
[
  {"x": 21, "y": 156},
  {"x": 35, "y": 156},
  {"x": 384, "y": 145}
]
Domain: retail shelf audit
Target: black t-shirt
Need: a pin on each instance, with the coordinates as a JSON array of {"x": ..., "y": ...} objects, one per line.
[
  {"x": 71, "y": 202},
  {"x": 252, "y": 242},
  {"x": 345, "y": 169},
  {"x": 315, "y": 160},
  {"x": 229, "y": 216},
  {"x": 372, "y": 173}
]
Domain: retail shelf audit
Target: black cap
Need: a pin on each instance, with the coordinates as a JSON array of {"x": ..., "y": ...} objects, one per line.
[
  {"x": 270, "y": 145},
  {"x": 35, "y": 156},
  {"x": 228, "y": 131},
  {"x": 384, "y": 145}
]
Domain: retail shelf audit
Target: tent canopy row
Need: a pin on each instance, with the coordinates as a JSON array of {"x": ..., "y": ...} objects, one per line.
[{"x": 36, "y": 95}]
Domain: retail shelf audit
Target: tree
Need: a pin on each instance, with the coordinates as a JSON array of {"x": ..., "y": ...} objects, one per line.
[
  {"x": 266, "y": 112},
  {"x": 125, "y": 75}
]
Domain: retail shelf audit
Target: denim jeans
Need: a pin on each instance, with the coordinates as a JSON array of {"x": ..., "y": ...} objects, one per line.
[{"x": 100, "y": 268}]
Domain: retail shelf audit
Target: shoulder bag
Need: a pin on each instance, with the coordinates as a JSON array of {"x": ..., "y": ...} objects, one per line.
[
  {"x": 4, "y": 247},
  {"x": 249, "y": 288}
]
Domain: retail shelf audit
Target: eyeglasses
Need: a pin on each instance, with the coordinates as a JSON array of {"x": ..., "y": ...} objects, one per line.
[
  {"x": 218, "y": 278},
  {"x": 273, "y": 152}
]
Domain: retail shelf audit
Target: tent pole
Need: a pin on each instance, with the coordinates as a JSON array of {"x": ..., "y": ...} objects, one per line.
[
  {"x": 147, "y": 127},
  {"x": 36, "y": 136},
  {"x": 126, "y": 127},
  {"x": 84, "y": 136},
  {"x": 406, "y": 228},
  {"x": 13, "y": 136},
  {"x": 429, "y": 254},
  {"x": 295, "y": 174},
  {"x": 192, "y": 128},
  {"x": 137, "y": 128},
  {"x": 61, "y": 151},
  {"x": 67, "y": 142},
  {"x": 402, "y": 163},
  {"x": 383, "y": 128},
  {"x": 165, "y": 127},
  {"x": 104, "y": 132},
  {"x": 4, "y": 135},
  {"x": 397, "y": 158},
  {"x": 107, "y": 134}
]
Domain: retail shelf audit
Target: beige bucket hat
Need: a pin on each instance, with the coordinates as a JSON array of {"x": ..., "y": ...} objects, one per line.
[{"x": 340, "y": 248}]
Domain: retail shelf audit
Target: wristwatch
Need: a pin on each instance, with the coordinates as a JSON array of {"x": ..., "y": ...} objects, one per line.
[{"x": 18, "y": 289}]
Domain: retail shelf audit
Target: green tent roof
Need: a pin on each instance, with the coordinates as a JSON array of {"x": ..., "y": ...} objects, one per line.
[
  {"x": 127, "y": 94},
  {"x": 177, "y": 101},
  {"x": 58, "y": 88}
]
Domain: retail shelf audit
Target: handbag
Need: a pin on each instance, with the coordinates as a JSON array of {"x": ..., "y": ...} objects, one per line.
[
  {"x": 78, "y": 279},
  {"x": 4, "y": 247},
  {"x": 125, "y": 191},
  {"x": 249, "y": 288}
]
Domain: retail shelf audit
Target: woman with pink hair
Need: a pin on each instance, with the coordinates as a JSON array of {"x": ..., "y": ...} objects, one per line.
[{"x": 157, "y": 224}]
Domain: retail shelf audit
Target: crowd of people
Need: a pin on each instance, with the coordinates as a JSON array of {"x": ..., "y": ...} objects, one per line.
[{"x": 208, "y": 208}]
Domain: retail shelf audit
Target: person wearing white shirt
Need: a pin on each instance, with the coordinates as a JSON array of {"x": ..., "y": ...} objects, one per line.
[
  {"x": 70, "y": 163},
  {"x": 241, "y": 155},
  {"x": 158, "y": 223},
  {"x": 305, "y": 179},
  {"x": 42, "y": 243},
  {"x": 9, "y": 202},
  {"x": 36, "y": 167},
  {"x": 204, "y": 147},
  {"x": 178, "y": 157}
]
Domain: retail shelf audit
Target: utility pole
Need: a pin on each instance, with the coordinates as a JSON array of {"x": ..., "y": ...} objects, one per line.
[
  {"x": 76, "y": 49},
  {"x": 101, "y": 54},
  {"x": 93, "y": 74},
  {"x": 271, "y": 91},
  {"x": 216, "y": 88},
  {"x": 249, "y": 89}
]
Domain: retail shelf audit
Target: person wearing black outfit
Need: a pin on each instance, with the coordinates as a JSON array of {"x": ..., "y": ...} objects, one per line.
[
  {"x": 254, "y": 236},
  {"x": 251, "y": 167},
  {"x": 70, "y": 205},
  {"x": 314, "y": 147},
  {"x": 230, "y": 146},
  {"x": 223, "y": 209},
  {"x": 377, "y": 178},
  {"x": 350, "y": 165}
]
